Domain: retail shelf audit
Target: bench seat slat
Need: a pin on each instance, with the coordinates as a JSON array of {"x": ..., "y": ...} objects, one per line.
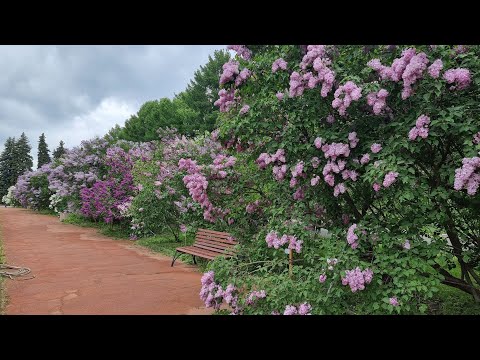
[
  {"x": 213, "y": 249},
  {"x": 215, "y": 243},
  {"x": 224, "y": 241},
  {"x": 213, "y": 232}
]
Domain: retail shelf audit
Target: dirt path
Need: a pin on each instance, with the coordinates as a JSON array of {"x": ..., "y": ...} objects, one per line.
[{"x": 78, "y": 271}]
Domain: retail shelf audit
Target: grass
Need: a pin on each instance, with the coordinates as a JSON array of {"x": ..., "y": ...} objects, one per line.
[{"x": 451, "y": 301}]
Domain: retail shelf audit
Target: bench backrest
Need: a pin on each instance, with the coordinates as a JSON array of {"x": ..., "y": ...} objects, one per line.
[{"x": 215, "y": 241}]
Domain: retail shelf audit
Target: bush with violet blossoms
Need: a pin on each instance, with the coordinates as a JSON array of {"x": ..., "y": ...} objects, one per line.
[{"x": 424, "y": 192}]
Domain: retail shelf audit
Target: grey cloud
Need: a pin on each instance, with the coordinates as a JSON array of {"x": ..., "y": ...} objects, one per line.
[{"x": 74, "y": 91}]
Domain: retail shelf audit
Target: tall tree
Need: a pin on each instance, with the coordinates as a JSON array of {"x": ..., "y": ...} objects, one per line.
[
  {"x": 59, "y": 151},
  {"x": 23, "y": 159},
  {"x": 43, "y": 152},
  {"x": 7, "y": 165},
  {"x": 203, "y": 89}
]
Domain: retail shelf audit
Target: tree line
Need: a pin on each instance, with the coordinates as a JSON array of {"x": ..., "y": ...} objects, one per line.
[{"x": 15, "y": 159}]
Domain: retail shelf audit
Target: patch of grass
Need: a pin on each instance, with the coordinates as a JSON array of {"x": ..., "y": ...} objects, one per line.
[
  {"x": 166, "y": 244},
  {"x": 451, "y": 301},
  {"x": 116, "y": 231},
  {"x": 47, "y": 212}
]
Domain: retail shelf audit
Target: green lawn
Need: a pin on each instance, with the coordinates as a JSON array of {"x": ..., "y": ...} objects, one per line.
[{"x": 451, "y": 301}]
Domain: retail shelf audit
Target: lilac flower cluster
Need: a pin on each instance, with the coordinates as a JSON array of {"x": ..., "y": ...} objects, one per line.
[
  {"x": 435, "y": 68},
  {"x": 394, "y": 301},
  {"x": 275, "y": 241},
  {"x": 242, "y": 77},
  {"x": 279, "y": 64},
  {"x": 254, "y": 295},
  {"x": 226, "y": 100},
  {"x": 230, "y": 71},
  {"x": 213, "y": 295},
  {"x": 377, "y": 100},
  {"x": 356, "y": 278},
  {"x": 303, "y": 309},
  {"x": 376, "y": 148},
  {"x": 323, "y": 74},
  {"x": 476, "y": 138},
  {"x": 351, "y": 92},
  {"x": 468, "y": 176},
  {"x": 421, "y": 128},
  {"x": 409, "y": 68},
  {"x": 241, "y": 50},
  {"x": 352, "y": 238},
  {"x": 459, "y": 76},
  {"x": 244, "y": 109},
  {"x": 390, "y": 178}
]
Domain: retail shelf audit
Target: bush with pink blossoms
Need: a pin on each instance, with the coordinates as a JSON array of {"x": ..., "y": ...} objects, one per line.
[{"x": 421, "y": 200}]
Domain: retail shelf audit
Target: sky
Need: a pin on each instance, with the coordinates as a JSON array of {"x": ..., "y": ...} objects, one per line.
[{"x": 74, "y": 92}]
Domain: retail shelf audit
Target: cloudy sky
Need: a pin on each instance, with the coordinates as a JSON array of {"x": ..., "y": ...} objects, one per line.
[{"x": 73, "y": 92}]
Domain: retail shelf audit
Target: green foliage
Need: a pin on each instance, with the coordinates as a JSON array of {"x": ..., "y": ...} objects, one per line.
[
  {"x": 43, "y": 152},
  {"x": 23, "y": 159},
  {"x": 59, "y": 151},
  {"x": 7, "y": 166},
  {"x": 114, "y": 230}
]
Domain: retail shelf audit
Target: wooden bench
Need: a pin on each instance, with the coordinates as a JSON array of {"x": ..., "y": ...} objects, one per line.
[{"x": 208, "y": 245}]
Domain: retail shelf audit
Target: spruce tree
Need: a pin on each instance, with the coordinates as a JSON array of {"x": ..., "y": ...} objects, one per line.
[
  {"x": 7, "y": 166},
  {"x": 23, "y": 159},
  {"x": 43, "y": 152},
  {"x": 59, "y": 151}
]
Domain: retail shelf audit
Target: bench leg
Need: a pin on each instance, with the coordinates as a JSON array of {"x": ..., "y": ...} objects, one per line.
[
  {"x": 175, "y": 257},
  {"x": 194, "y": 260}
]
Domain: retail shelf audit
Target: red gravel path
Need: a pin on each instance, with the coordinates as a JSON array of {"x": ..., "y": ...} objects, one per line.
[{"x": 78, "y": 271}]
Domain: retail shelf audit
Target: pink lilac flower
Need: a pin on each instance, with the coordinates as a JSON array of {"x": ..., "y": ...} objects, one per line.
[
  {"x": 241, "y": 50},
  {"x": 468, "y": 176},
  {"x": 390, "y": 178},
  {"x": 226, "y": 100},
  {"x": 322, "y": 278},
  {"x": 299, "y": 194},
  {"x": 351, "y": 92},
  {"x": 244, "y": 109},
  {"x": 183, "y": 228},
  {"x": 409, "y": 68},
  {"x": 231, "y": 221},
  {"x": 318, "y": 143},
  {"x": 394, "y": 301},
  {"x": 459, "y": 76},
  {"x": 304, "y": 309},
  {"x": 406, "y": 245},
  {"x": 254, "y": 295},
  {"x": 339, "y": 189},
  {"x": 376, "y": 187},
  {"x": 435, "y": 68},
  {"x": 365, "y": 159},
  {"x": 420, "y": 129},
  {"x": 290, "y": 310},
  {"x": 315, "y": 180},
  {"x": 376, "y": 148},
  {"x": 279, "y": 96},
  {"x": 377, "y": 100},
  {"x": 297, "y": 85},
  {"x": 352, "y": 238},
  {"x": 279, "y": 64},
  {"x": 330, "y": 119},
  {"x": 230, "y": 70},
  {"x": 298, "y": 169},
  {"x": 279, "y": 172},
  {"x": 353, "y": 139},
  {"x": 356, "y": 278},
  {"x": 242, "y": 77}
]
